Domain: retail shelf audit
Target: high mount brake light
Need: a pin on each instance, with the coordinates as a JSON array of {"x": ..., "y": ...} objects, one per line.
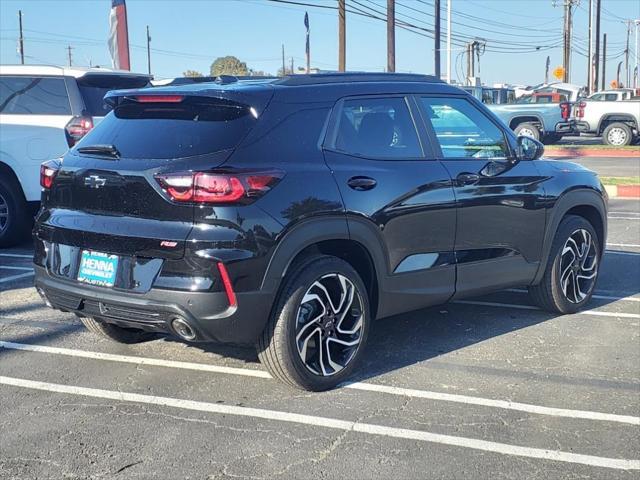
[
  {"x": 77, "y": 128},
  {"x": 218, "y": 188},
  {"x": 581, "y": 106},
  {"x": 159, "y": 98},
  {"x": 48, "y": 172}
]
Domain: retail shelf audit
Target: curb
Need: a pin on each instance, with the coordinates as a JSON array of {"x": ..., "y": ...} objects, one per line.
[
  {"x": 623, "y": 191},
  {"x": 570, "y": 152}
]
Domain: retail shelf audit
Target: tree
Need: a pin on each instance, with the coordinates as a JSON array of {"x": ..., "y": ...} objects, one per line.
[
  {"x": 228, "y": 65},
  {"x": 287, "y": 71},
  {"x": 192, "y": 73}
]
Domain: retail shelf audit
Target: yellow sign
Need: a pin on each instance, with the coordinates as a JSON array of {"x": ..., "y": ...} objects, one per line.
[{"x": 558, "y": 72}]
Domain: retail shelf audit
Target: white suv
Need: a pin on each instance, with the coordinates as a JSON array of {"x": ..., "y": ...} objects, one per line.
[{"x": 44, "y": 110}]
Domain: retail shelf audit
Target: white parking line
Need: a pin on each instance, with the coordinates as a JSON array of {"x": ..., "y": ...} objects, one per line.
[
  {"x": 4, "y": 267},
  {"x": 344, "y": 425},
  {"x": 629, "y": 298},
  {"x": 623, "y": 218},
  {"x": 15, "y": 255},
  {"x": 615, "y": 252},
  {"x": 16, "y": 277},
  {"x": 627, "y": 245},
  {"x": 370, "y": 387},
  {"x": 596, "y": 313}
]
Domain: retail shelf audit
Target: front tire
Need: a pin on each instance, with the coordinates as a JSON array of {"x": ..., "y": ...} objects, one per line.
[
  {"x": 617, "y": 134},
  {"x": 319, "y": 327},
  {"x": 114, "y": 332},
  {"x": 572, "y": 269}
]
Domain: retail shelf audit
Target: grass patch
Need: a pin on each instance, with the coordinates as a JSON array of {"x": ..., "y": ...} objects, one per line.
[{"x": 620, "y": 180}]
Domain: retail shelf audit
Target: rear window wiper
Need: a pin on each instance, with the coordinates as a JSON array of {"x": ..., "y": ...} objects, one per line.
[{"x": 105, "y": 150}]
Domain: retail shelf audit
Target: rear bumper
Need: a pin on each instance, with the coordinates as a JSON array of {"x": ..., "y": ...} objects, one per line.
[
  {"x": 565, "y": 127},
  {"x": 207, "y": 313}
]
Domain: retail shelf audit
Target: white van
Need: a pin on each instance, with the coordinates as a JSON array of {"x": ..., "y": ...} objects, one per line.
[{"x": 44, "y": 110}]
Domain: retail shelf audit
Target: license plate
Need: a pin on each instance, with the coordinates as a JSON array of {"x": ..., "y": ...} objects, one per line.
[{"x": 98, "y": 268}]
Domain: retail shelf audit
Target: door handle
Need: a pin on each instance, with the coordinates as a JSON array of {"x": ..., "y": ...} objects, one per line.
[
  {"x": 467, "y": 179},
  {"x": 362, "y": 183}
]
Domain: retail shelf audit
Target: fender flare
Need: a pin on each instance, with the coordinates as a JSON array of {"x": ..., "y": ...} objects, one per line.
[
  {"x": 581, "y": 196},
  {"x": 315, "y": 230}
]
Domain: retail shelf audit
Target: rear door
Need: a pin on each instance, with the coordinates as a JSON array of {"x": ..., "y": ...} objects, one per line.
[
  {"x": 500, "y": 203},
  {"x": 396, "y": 193},
  {"x": 114, "y": 204}
]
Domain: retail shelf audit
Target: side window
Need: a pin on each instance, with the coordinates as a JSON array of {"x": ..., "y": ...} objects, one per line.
[
  {"x": 33, "y": 96},
  {"x": 464, "y": 131},
  {"x": 611, "y": 97},
  {"x": 377, "y": 128}
]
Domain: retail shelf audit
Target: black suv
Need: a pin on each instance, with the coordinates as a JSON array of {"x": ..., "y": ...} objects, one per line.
[{"x": 290, "y": 213}]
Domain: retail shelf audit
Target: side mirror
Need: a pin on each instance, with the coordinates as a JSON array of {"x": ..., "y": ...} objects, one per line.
[{"x": 529, "y": 148}]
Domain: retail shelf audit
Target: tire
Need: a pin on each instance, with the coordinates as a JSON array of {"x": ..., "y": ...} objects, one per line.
[
  {"x": 286, "y": 338},
  {"x": 528, "y": 130},
  {"x": 617, "y": 134},
  {"x": 15, "y": 214},
  {"x": 114, "y": 332},
  {"x": 549, "y": 294}
]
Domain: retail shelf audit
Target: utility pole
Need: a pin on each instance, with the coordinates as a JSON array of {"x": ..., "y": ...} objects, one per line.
[
  {"x": 596, "y": 62},
  {"x": 604, "y": 61},
  {"x": 21, "y": 41},
  {"x": 148, "y": 51},
  {"x": 626, "y": 57},
  {"x": 566, "y": 61},
  {"x": 284, "y": 68},
  {"x": 292, "y": 72},
  {"x": 391, "y": 35},
  {"x": 437, "y": 38},
  {"x": 590, "y": 54},
  {"x": 449, "y": 41},
  {"x": 342, "y": 36},
  {"x": 637, "y": 72},
  {"x": 69, "y": 47},
  {"x": 627, "y": 80}
]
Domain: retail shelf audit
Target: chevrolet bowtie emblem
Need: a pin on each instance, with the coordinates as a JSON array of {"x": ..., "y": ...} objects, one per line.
[{"x": 94, "y": 181}]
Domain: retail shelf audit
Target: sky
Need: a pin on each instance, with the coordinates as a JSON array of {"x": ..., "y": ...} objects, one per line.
[{"x": 190, "y": 34}]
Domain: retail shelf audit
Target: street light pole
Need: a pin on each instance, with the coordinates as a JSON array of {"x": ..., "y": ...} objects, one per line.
[
  {"x": 590, "y": 55},
  {"x": 437, "y": 38},
  {"x": 21, "y": 41}
]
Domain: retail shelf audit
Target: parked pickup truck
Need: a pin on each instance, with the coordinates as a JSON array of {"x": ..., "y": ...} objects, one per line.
[
  {"x": 617, "y": 121},
  {"x": 542, "y": 121},
  {"x": 540, "y": 114}
]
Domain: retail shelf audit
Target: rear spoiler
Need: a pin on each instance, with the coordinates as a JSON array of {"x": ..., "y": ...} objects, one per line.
[{"x": 256, "y": 98}]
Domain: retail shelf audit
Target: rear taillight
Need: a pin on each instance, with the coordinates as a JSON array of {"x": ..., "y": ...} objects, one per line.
[
  {"x": 216, "y": 187},
  {"x": 48, "y": 172},
  {"x": 565, "y": 110},
  {"x": 580, "y": 109},
  {"x": 77, "y": 128}
]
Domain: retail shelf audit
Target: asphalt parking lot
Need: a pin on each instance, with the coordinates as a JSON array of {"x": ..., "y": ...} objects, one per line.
[{"x": 489, "y": 388}]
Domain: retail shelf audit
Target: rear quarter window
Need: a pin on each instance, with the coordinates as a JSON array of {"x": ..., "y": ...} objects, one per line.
[
  {"x": 29, "y": 95},
  {"x": 166, "y": 131}
]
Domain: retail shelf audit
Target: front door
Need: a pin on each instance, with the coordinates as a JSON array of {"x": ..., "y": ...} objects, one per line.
[
  {"x": 396, "y": 193},
  {"x": 500, "y": 211}
]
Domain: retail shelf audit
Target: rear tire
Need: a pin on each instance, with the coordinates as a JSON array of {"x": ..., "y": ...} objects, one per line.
[
  {"x": 15, "y": 214},
  {"x": 566, "y": 286},
  {"x": 114, "y": 332},
  {"x": 305, "y": 342},
  {"x": 617, "y": 134},
  {"x": 528, "y": 130}
]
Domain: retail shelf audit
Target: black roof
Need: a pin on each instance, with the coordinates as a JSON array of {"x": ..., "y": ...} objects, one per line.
[{"x": 350, "y": 77}]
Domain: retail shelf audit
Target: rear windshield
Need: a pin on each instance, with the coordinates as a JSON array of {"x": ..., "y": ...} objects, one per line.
[
  {"x": 179, "y": 130},
  {"x": 93, "y": 88}
]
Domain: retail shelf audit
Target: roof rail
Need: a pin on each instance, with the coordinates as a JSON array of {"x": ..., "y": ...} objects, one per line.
[{"x": 343, "y": 77}]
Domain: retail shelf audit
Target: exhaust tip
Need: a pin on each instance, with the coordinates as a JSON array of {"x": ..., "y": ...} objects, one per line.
[{"x": 183, "y": 329}]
